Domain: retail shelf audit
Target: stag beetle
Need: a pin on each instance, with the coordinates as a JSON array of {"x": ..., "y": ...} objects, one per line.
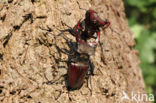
[{"x": 83, "y": 31}]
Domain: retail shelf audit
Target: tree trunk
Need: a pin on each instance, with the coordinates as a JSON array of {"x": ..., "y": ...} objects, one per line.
[{"x": 33, "y": 59}]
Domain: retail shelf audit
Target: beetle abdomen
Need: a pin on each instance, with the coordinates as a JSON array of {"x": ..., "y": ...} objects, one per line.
[{"x": 76, "y": 75}]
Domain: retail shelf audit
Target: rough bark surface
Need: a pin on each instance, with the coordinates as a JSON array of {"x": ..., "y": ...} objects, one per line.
[{"x": 33, "y": 60}]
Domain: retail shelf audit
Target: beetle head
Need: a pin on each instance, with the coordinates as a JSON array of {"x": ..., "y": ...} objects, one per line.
[{"x": 93, "y": 17}]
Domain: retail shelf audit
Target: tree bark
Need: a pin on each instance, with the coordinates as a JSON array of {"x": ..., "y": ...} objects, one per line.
[{"x": 33, "y": 59}]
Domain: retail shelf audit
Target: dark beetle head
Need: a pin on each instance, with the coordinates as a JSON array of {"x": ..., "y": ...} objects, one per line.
[{"x": 93, "y": 17}]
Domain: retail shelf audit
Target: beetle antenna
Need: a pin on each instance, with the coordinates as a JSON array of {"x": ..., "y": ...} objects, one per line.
[{"x": 114, "y": 31}]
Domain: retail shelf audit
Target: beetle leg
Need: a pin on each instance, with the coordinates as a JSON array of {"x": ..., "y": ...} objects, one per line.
[
  {"x": 107, "y": 24},
  {"x": 90, "y": 85},
  {"x": 89, "y": 77},
  {"x": 91, "y": 66},
  {"x": 54, "y": 81},
  {"x": 70, "y": 30},
  {"x": 69, "y": 96}
]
